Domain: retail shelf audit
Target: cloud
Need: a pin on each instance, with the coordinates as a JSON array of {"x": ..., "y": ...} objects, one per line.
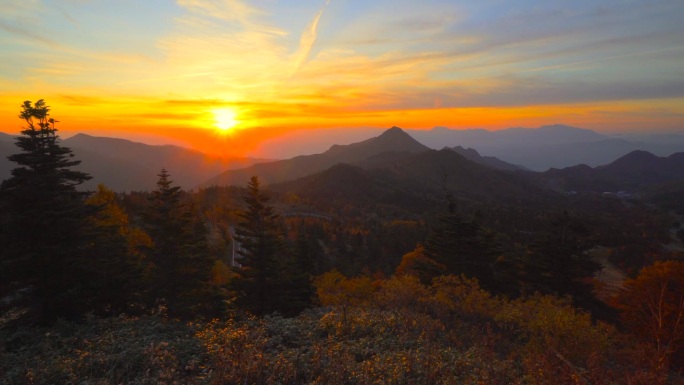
[
  {"x": 20, "y": 9},
  {"x": 228, "y": 10},
  {"x": 25, "y": 33},
  {"x": 307, "y": 40}
]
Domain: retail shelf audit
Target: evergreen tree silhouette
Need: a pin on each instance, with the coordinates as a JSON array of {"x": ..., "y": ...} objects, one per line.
[
  {"x": 181, "y": 261},
  {"x": 261, "y": 244},
  {"x": 465, "y": 247},
  {"x": 43, "y": 218}
]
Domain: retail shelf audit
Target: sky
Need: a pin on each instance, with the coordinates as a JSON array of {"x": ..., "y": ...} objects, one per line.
[{"x": 228, "y": 76}]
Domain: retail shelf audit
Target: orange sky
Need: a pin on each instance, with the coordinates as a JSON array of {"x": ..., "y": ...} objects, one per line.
[{"x": 161, "y": 71}]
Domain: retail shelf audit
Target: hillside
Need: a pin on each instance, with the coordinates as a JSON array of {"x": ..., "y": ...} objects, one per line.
[
  {"x": 447, "y": 169},
  {"x": 633, "y": 172},
  {"x": 418, "y": 182},
  {"x": 392, "y": 140},
  {"x": 491, "y": 161}
]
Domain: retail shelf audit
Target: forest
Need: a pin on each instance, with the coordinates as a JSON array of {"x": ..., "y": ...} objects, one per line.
[{"x": 351, "y": 275}]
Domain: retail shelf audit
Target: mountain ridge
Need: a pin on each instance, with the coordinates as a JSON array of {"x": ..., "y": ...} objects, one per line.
[
  {"x": 634, "y": 171},
  {"x": 491, "y": 161},
  {"x": 550, "y": 146},
  {"x": 393, "y": 139}
]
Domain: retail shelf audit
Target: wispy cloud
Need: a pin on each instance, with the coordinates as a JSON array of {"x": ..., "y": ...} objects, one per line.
[
  {"x": 228, "y": 10},
  {"x": 24, "y": 33},
  {"x": 307, "y": 40}
]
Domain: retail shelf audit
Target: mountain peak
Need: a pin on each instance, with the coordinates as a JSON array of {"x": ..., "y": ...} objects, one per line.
[
  {"x": 396, "y": 139},
  {"x": 394, "y": 131},
  {"x": 637, "y": 159},
  {"x": 81, "y": 135},
  {"x": 393, "y": 139}
]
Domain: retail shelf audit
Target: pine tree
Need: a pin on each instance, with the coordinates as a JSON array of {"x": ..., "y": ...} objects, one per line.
[
  {"x": 261, "y": 243},
  {"x": 465, "y": 247},
  {"x": 181, "y": 261},
  {"x": 43, "y": 220},
  {"x": 556, "y": 262}
]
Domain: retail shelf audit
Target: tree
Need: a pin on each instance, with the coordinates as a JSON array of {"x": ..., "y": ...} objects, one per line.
[
  {"x": 115, "y": 264},
  {"x": 181, "y": 261},
  {"x": 269, "y": 277},
  {"x": 415, "y": 263},
  {"x": 652, "y": 308},
  {"x": 556, "y": 263},
  {"x": 42, "y": 228},
  {"x": 259, "y": 238},
  {"x": 458, "y": 246}
]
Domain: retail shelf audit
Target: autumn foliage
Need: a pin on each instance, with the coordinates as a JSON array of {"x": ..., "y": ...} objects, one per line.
[{"x": 652, "y": 306}]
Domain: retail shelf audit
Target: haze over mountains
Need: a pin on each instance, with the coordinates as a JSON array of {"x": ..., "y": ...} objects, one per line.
[
  {"x": 126, "y": 166},
  {"x": 553, "y": 146}
]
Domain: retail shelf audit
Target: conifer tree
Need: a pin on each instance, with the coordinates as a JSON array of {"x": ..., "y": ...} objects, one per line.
[
  {"x": 556, "y": 262},
  {"x": 459, "y": 246},
  {"x": 42, "y": 226},
  {"x": 261, "y": 244},
  {"x": 270, "y": 277},
  {"x": 181, "y": 262}
]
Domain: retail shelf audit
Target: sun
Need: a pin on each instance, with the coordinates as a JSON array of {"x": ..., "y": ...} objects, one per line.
[{"x": 224, "y": 118}]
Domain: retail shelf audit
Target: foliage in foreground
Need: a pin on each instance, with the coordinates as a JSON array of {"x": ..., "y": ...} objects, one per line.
[{"x": 394, "y": 331}]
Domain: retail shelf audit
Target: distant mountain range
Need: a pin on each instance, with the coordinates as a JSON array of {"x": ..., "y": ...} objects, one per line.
[
  {"x": 553, "y": 146},
  {"x": 124, "y": 165},
  {"x": 536, "y": 149},
  {"x": 635, "y": 171}
]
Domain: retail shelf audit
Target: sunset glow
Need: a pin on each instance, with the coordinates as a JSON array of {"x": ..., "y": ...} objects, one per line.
[{"x": 180, "y": 71}]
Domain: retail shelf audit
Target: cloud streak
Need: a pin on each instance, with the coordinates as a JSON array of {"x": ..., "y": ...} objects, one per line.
[
  {"x": 307, "y": 41},
  {"x": 24, "y": 33}
]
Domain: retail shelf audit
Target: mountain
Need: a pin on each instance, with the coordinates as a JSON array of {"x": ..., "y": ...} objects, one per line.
[
  {"x": 490, "y": 161},
  {"x": 635, "y": 171},
  {"x": 554, "y": 146},
  {"x": 439, "y": 137},
  {"x": 123, "y": 165},
  {"x": 392, "y": 140},
  {"x": 590, "y": 153},
  {"x": 418, "y": 181},
  {"x": 345, "y": 182},
  {"x": 643, "y": 168},
  {"x": 548, "y": 135},
  {"x": 445, "y": 169}
]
